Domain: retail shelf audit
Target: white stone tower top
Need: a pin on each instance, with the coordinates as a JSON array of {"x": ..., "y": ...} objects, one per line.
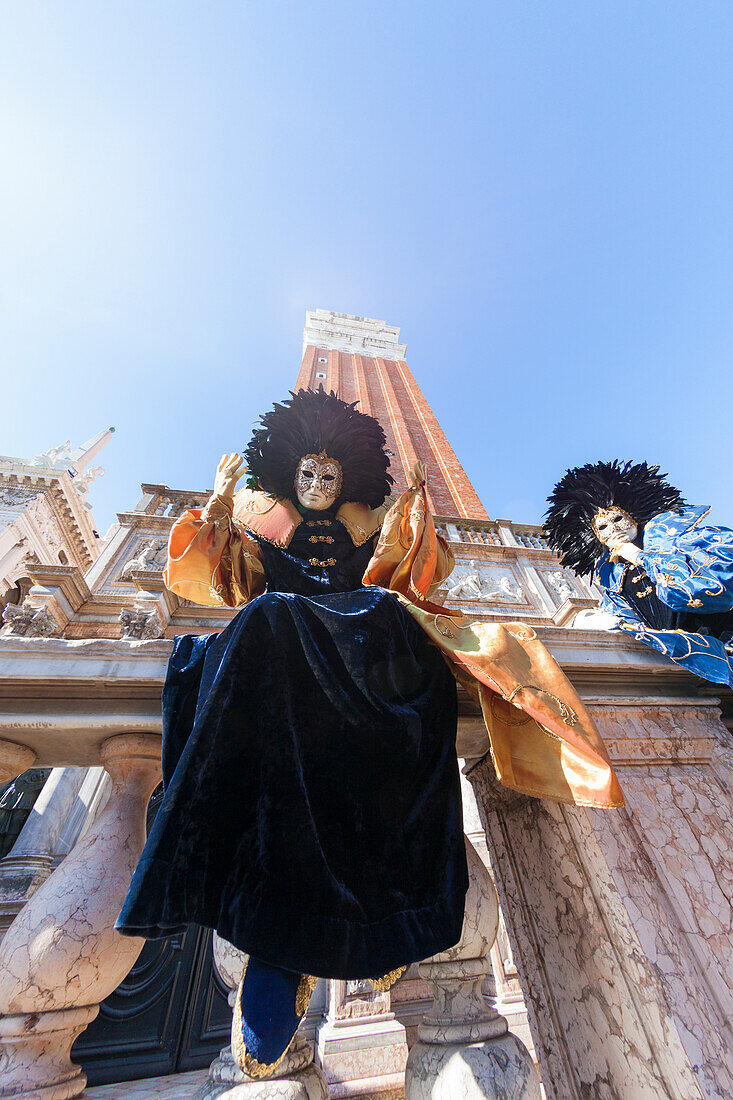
[{"x": 344, "y": 332}]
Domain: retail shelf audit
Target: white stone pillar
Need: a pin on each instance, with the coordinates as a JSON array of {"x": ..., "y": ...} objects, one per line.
[
  {"x": 296, "y": 1078},
  {"x": 361, "y": 1047},
  {"x": 465, "y": 1049},
  {"x": 61, "y": 956},
  {"x": 30, "y": 861}
]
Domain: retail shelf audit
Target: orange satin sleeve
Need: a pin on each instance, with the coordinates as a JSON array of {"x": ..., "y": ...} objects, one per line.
[
  {"x": 410, "y": 557},
  {"x": 211, "y": 560}
]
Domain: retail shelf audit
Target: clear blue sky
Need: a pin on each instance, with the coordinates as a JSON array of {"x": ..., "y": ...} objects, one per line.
[{"x": 539, "y": 194}]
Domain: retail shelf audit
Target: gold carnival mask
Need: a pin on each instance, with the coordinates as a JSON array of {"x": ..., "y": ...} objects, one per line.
[
  {"x": 318, "y": 481},
  {"x": 613, "y": 525}
]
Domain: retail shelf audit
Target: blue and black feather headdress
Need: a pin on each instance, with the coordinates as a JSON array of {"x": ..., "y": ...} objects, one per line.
[{"x": 640, "y": 489}]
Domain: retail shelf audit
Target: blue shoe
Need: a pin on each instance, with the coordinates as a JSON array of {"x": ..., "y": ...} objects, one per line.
[{"x": 270, "y": 1004}]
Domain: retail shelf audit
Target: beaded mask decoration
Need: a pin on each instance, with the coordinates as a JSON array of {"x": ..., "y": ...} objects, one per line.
[
  {"x": 610, "y": 523},
  {"x": 318, "y": 477}
]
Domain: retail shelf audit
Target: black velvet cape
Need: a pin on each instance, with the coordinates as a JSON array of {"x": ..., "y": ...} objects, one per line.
[{"x": 312, "y": 807}]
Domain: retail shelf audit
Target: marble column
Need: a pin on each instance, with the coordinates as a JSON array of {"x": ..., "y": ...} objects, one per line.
[
  {"x": 14, "y": 759},
  {"x": 30, "y": 861},
  {"x": 465, "y": 1049},
  {"x": 597, "y": 1012},
  {"x": 296, "y": 1078},
  {"x": 61, "y": 956}
]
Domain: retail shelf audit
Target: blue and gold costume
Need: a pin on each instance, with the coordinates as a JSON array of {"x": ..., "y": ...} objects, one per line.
[{"x": 679, "y": 598}]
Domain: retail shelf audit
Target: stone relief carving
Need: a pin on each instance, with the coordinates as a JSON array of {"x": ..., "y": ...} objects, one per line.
[
  {"x": 150, "y": 555},
  {"x": 141, "y": 625},
  {"x": 560, "y": 584},
  {"x": 475, "y": 584},
  {"x": 28, "y": 621},
  {"x": 12, "y": 495},
  {"x": 48, "y": 525}
]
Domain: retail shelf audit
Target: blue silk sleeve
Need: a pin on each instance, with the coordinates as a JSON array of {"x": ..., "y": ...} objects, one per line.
[{"x": 692, "y": 570}]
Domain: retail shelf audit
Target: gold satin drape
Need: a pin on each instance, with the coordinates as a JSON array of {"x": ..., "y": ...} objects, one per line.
[{"x": 542, "y": 740}]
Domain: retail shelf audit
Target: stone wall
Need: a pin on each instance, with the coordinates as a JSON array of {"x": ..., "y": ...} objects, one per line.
[{"x": 620, "y": 921}]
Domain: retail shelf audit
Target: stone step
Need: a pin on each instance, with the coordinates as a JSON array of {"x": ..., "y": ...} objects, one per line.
[{"x": 176, "y": 1086}]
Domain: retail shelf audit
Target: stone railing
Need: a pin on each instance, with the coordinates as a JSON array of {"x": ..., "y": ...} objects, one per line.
[
  {"x": 61, "y": 956},
  {"x": 159, "y": 500},
  {"x": 505, "y": 569},
  {"x": 492, "y": 532}
]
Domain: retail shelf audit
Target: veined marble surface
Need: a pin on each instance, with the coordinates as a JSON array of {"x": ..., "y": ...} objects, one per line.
[{"x": 177, "y": 1086}]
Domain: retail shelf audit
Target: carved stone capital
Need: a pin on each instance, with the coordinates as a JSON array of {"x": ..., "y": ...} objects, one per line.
[
  {"x": 141, "y": 624},
  {"x": 29, "y": 621}
]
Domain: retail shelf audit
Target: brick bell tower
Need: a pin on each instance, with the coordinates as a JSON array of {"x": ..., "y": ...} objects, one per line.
[{"x": 362, "y": 360}]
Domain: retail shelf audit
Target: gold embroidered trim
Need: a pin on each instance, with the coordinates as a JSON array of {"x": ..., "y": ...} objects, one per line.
[
  {"x": 324, "y": 561},
  {"x": 318, "y": 523},
  {"x": 357, "y": 534},
  {"x": 218, "y": 593},
  {"x": 567, "y": 713},
  {"x": 242, "y": 1057},
  {"x": 507, "y": 719},
  {"x": 387, "y": 980},
  {"x": 444, "y": 630},
  {"x": 305, "y": 991},
  {"x": 321, "y": 538},
  {"x": 690, "y": 603}
]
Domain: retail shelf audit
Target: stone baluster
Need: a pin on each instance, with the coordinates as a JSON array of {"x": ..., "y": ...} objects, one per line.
[
  {"x": 61, "y": 956},
  {"x": 465, "y": 1049},
  {"x": 296, "y": 1078},
  {"x": 14, "y": 759},
  {"x": 30, "y": 861}
]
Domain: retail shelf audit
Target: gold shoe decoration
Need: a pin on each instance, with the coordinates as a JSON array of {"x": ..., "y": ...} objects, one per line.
[{"x": 242, "y": 1057}]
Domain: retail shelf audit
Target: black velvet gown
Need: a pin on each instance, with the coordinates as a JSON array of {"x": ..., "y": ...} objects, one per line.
[{"x": 312, "y": 809}]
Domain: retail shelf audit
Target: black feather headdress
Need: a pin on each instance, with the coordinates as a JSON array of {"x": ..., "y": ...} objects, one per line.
[
  {"x": 311, "y": 421},
  {"x": 636, "y": 487}
]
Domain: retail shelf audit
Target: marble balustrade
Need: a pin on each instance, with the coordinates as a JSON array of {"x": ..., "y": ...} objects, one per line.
[{"x": 618, "y": 922}]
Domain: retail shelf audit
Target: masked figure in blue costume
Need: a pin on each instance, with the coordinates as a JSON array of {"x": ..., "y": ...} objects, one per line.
[
  {"x": 667, "y": 579},
  {"x": 312, "y": 809}
]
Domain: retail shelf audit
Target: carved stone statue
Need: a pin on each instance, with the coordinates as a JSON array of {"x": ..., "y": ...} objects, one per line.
[
  {"x": 475, "y": 586},
  {"x": 149, "y": 556},
  {"x": 560, "y": 584}
]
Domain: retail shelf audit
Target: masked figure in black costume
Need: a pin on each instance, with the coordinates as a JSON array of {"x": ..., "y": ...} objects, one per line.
[{"x": 312, "y": 810}]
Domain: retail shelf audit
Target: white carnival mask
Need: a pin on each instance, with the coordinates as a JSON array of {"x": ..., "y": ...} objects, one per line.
[
  {"x": 318, "y": 481},
  {"x": 613, "y": 526}
]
